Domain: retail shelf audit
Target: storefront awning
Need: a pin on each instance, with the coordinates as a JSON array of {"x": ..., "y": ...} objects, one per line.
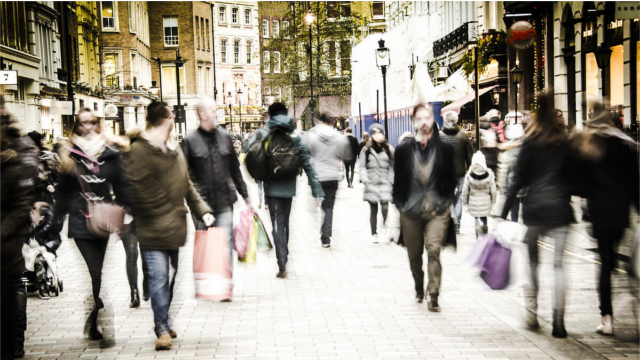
[{"x": 456, "y": 105}]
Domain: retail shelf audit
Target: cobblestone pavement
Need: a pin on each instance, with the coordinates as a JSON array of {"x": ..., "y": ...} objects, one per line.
[{"x": 354, "y": 300}]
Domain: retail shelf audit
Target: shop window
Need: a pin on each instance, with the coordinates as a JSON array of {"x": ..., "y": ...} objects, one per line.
[
  {"x": 378, "y": 9},
  {"x": 593, "y": 88},
  {"x": 617, "y": 72}
]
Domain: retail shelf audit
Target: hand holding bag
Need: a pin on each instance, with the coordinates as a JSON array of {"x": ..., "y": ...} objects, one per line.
[{"x": 102, "y": 218}]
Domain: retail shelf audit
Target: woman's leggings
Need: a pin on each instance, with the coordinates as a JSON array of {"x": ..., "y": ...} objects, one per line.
[
  {"x": 130, "y": 243},
  {"x": 373, "y": 219},
  {"x": 93, "y": 251}
]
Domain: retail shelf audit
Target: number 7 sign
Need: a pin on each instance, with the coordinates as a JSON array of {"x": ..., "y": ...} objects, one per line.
[{"x": 9, "y": 77}]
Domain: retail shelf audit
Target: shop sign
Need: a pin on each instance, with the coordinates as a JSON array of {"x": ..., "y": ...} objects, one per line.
[
  {"x": 9, "y": 77},
  {"x": 110, "y": 110},
  {"x": 521, "y": 35},
  {"x": 61, "y": 107}
]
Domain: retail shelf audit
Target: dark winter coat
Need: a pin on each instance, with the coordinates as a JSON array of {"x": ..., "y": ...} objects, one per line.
[
  {"x": 19, "y": 162},
  {"x": 610, "y": 183},
  {"x": 355, "y": 147},
  {"x": 444, "y": 173},
  {"x": 160, "y": 185},
  {"x": 546, "y": 170},
  {"x": 42, "y": 232},
  {"x": 461, "y": 145},
  {"x": 214, "y": 167},
  {"x": 101, "y": 176}
]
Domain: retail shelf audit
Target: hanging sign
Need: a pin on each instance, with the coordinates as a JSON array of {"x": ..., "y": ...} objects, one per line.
[
  {"x": 111, "y": 110},
  {"x": 521, "y": 35}
]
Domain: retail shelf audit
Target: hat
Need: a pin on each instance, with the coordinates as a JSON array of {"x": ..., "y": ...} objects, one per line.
[
  {"x": 375, "y": 127},
  {"x": 514, "y": 131},
  {"x": 479, "y": 159}
]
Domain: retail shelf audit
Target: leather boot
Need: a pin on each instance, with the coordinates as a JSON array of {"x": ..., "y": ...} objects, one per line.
[
  {"x": 92, "y": 325},
  {"x": 558, "y": 324},
  {"x": 135, "y": 298}
]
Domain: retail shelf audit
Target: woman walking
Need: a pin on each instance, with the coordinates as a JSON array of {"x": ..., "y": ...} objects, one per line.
[
  {"x": 91, "y": 167},
  {"x": 609, "y": 174},
  {"x": 376, "y": 173},
  {"x": 543, "y": 166}
]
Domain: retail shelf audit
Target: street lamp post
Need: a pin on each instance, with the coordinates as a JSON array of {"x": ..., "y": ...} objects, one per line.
[
  {"x": 230, "y": 114},
  {"x": 310, "y": 18},
  {"x": 240, "y": 104},
  {"x": 516, "y": 78},
  {"x": 383, "y": 60},
  {"x": 179, "y": 63},
  {"x": 159, "y": 73}
]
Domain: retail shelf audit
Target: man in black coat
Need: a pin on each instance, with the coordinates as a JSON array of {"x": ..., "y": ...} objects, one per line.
[
  {"x": 423, "y": 190},
  {"x": 351, "y": 164},
  {"x": 214, "y": 167}
]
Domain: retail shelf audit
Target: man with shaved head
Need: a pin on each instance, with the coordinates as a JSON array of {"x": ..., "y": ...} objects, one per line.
[{"x": 214, "y": 167}]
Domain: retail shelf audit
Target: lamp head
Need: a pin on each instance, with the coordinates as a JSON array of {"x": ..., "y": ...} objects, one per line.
[
  {"x": 603, "y": 55},
  {"x": 516, "y": 75},
  {"x": 382, "y": 55},
  {"x": 309, "y": 18}
]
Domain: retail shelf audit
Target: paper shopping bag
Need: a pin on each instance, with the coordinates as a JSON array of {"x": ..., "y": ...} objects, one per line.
[
  {"x": 242, "y": 231},
  {"x": 263, "y": 238},
  {"x": 496, "y": 266},
  {"x": 212, "y": 265},
  {"x": 250, "y": 256}
]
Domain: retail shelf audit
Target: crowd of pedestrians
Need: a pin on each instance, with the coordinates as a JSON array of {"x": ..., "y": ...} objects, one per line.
[{"x": 150, "y": 182}]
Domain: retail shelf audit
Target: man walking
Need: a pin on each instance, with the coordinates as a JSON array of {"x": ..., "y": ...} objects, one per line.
[
  {"x": 423, "y": 187},
  {"x": 279, "y": 193},
  {"x": 349, "y": 165},
  {"x": 160, "y": 185},
  {"x": 215, "y": 170},
  {"x": 462, "y": 153},
  {"x": 328, "y": 147}
]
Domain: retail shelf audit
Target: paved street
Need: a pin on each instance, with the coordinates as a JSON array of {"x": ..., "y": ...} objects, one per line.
[{"x": 352, "y": 301}]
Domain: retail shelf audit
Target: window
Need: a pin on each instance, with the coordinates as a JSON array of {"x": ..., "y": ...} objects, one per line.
[
  {"x": 234, "y": 15},
  {"x": 276, "y": 28},
  {"x": 276, "y": 62},
  {"x": 265, "y": 62},
  {"x": 345, "y": 9},
  {"x": 108, "y": 16},
  {"x": 332, "y": 58},
  {"x": 285, "y": 28},
  {"x": 110, "y": 66},
  {"x": 378, "y": 9},
  {"x": 223, "y": 14},
  {"x": 170, "y": 30},
  {"x": 134, "y": 69},
  {"x": 208, "y": 81},
  {"x": 14, "y": 25},
  {"x": 332, "y": 9},
  {"x": 198, "y": 29},
  {"x": 200, "y": 81},
  {"x": 223, "y": 51},
  {"x": 236, "y": 52},
  {"x": 248, "y": 52},
  {"x": 132, "y": 16},
  {"x": 247, "y": 17},
  {"x": 265, "y": 28},
  {"x": 204, "y": 34},
  {"x": 169, "y": 80},
  {"x": 345, "y": 57},
  {"x": 208, "y": 32},
  {"x": 267, "y": 90}
]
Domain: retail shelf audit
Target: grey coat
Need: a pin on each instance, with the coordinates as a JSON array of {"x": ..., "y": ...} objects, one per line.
[
  {"x": 479, "y": 193},
  {"x": 376, "y": 173}
]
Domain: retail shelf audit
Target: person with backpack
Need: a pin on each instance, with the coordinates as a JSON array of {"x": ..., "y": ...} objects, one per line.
[
  {"x": 215, "y": 172},
  {"x": 355, "y": 151},
  {"x": 376, "y": 173},
  {"x": 287, "y": 153},
  {"x": 462, "y": 152},
  {"x": 328, "y": 147}
]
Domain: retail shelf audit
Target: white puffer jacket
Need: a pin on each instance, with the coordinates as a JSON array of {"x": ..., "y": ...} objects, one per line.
[
  {"x": 376, "y": 173},
  {"x": 479, "y": 191}
]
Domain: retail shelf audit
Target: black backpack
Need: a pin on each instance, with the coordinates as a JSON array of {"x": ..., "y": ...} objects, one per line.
[
  {"x": 257, "y": 160},
  {"x": 283, "y": 155}
]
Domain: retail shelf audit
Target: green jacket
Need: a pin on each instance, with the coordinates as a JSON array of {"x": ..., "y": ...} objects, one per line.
[
  {"x": 159, "y": 186},
  {"x": 287, "y": 188}
]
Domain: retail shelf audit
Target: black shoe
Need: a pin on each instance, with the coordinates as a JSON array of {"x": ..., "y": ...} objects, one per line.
[
  {"x": 559, "y": 330},
  {"x": 145, "y": 295},
  {"x": 18, "y": 351},
  {"x": 135, "y": 298},
  {"x": 419, "y": 299},
  {"x": 433, "y": 304},
  {"x": 326, "y": 241},
  {"x": 281, "y": 274},
  {"x": 44, "y": 291}
]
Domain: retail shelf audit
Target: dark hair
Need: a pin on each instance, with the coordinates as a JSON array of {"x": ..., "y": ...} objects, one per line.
[
  {"x": 545, "y": 127},
  {"x": 324, "y": 117},
  {"x": 277, "y": 108},
  {"x": 349, "y": 130},
  {"x": 157, "y": 112},
  {"x": 427, "y": 107},
  {"x": 76, "y": 124}
]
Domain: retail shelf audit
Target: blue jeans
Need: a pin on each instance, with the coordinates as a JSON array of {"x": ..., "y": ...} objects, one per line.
[
  {"x": 457, "y": 202},
  {"x": 160, "y": 287}
]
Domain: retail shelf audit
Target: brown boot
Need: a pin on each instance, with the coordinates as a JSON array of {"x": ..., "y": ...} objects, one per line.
[{"x": 164, "y": 342}]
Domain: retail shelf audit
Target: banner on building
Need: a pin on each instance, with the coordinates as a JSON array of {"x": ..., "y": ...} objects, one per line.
[{"x": 61, "y": 107}]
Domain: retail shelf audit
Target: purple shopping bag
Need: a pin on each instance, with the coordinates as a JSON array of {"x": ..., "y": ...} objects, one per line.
[
  {"x": 479, "y": 252},
  {"x": 495, "y": 267}
]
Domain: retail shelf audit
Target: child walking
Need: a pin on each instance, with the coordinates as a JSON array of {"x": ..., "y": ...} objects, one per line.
[{"x": 479, "y": 191}]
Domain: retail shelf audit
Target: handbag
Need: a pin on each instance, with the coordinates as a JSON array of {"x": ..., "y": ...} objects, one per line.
[{"x": 102, "y": 218}]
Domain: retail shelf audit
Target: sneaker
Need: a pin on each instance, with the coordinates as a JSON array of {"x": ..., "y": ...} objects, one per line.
[
  {"x": 419, "y": 299},
  {"x": 164, "y": 342},
  {"x": 44, "y": 292},
  {"x": 326, "y": 241},
  {"x": 374, "y": 238},
  {"x": 433, "y": 304},
  {"x": 281, "y": 274}
]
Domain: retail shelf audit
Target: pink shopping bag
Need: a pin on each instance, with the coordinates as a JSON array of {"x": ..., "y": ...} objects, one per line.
[
  {"x": 212, "y": 265},
  {"x": 242, "y": 231}
]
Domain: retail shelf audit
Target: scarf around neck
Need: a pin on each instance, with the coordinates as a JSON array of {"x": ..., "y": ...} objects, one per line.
[{"x": 91, "y": 147}]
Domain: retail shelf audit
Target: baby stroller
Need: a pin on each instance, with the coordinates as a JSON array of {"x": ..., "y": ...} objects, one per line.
[{"x": 39, "y": 254}]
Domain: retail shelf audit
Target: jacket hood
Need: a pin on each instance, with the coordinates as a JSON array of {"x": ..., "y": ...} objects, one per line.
[
  {"x": 480, "y": 181},
  {"x": 282, "y": 121},
  {"x": 450, "y": 128},
  {"x": 326, "y": 134}
]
